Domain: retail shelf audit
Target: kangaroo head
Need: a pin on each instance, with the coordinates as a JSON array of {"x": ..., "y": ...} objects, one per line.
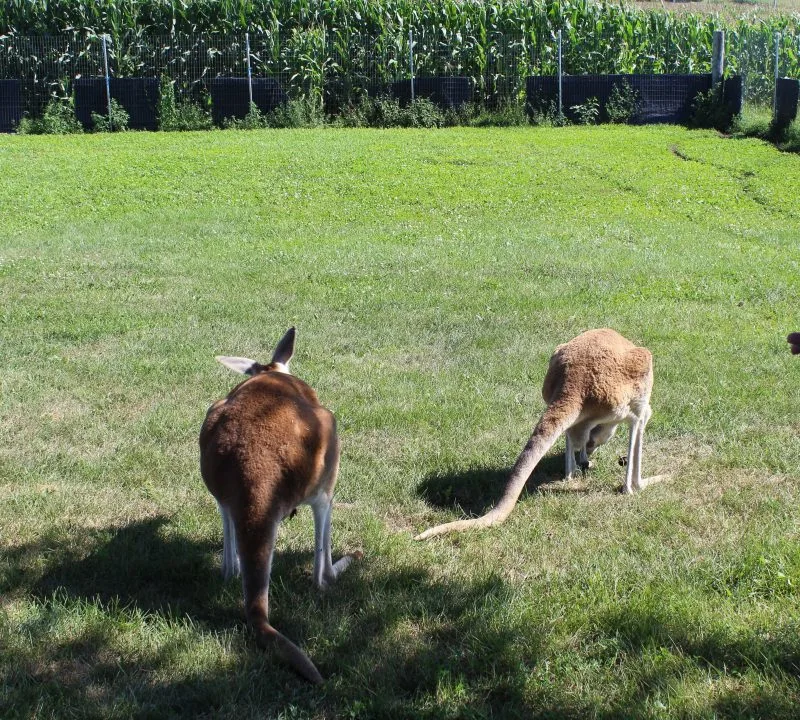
[
  {"x": 280, "y": 358},
  {"x": 599, "y": 435}
]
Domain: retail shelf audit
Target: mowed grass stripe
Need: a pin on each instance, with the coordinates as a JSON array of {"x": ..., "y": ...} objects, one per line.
[{"x": 430, "y": 275}]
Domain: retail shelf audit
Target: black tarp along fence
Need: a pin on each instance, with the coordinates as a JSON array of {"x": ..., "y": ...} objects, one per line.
[
  {"x": 74, "y": 65},
  {"x": 664, "y": 79},
  {"x": 335, "y": 68},
  {"x": 656, "y": 98},
  {"x": 786, "y": 103},
  {"x": 787, "y": 94},
  {"x": 139, "y": 97},
  {"x": 10, "y": 104},
  {"x": 42, "y": 68}
]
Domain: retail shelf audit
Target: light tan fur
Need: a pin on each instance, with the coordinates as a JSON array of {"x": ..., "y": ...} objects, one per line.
[
  {"x": 594, "y": 382},
  {"x": 266, "y": 448}
]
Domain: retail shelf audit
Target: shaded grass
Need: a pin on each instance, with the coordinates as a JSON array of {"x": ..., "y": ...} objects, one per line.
[
  {"x": 757, "y": 122},
  {"x": 430, "y": 275}
]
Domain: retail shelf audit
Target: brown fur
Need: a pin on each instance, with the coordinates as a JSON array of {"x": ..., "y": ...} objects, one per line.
[
  {"x": 270, "y": 428},
  {"x": 266, "y": 448},
  {"x": 794, "y": 342},
  {"x": 593, "y": 383}
]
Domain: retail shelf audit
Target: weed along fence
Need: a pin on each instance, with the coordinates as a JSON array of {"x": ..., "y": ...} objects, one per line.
[
  {"x": 139, "y": 97},
  {"x": 224, "y": 75},
  {"x": 653, "y": 98}
]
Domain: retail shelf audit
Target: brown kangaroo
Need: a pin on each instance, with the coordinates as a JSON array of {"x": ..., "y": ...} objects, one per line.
[
  {"x": 266, "y": 448},
  {"x": 594, "y": 382},
  {"x": 794, "y": 342}
]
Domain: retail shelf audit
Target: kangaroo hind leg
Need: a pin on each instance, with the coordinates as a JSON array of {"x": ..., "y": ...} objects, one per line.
[
  {"x": 325, "y": 570},
  {"x": 569, "y": 457},
  {"x": 637, "y": 454},
  {"x": 230, "y": 552},
  {"x": 633, "y": 471}
]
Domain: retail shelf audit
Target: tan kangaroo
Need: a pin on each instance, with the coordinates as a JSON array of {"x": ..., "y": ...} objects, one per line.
[
  {"x": 594, "y": 382},
  {"x": 266, "y": 448}
]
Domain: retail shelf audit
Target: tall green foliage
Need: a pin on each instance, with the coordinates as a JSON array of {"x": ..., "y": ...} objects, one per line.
[
  {"x": 352, "y": 43},
  {"x": 174, "y": 114}
]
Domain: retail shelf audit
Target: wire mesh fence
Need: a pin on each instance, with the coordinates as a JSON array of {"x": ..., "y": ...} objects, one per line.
[
  {"x": 328, "y": 66},
  {"x": 761, "y": 58},
  {"x": 336, "y": 67}
]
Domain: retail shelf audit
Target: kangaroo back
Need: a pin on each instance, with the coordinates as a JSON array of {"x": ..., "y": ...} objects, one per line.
[
  {"x": 266, "y": 448},
  {"x": 266, "y": 442}
]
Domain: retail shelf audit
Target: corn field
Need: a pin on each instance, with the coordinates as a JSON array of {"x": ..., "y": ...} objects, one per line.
[{"x": 335, "y": 49}]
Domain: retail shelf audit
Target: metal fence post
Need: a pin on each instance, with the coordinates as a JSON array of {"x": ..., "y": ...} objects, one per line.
[
  {"x": 717, "y": 57},
  {"x": 108, "y": 83},
  {"x": 249, "y": 72},
  {"x": 322, "y": 68},
  {"x": 560, "y": 95},
  {"x": 777, "y": 74},
  {"x": 411, "y": 60}
]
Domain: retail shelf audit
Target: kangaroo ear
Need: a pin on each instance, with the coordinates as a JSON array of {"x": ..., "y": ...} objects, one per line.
[
  {"x": 246, "y": 366},
  {"x": 284, "y": 349}
]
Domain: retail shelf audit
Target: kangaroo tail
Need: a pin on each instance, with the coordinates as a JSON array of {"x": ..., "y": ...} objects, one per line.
[
  {"x": 268, "y": 636},
  {"x": 554, "y": 421},
  {"x": 255, "y": 554}
]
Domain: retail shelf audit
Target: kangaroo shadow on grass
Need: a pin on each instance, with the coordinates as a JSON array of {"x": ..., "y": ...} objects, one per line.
[
  {"x": 665, "y": 644},
  {"x": 148, "y": 565},
  {"x": 120, "y": 609},
  {"x": 136, "y": 622},
  {"x": 475, "y": 492}
]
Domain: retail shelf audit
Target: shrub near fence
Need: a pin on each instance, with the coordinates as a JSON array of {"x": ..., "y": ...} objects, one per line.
[{"x": 138, "y": 96}]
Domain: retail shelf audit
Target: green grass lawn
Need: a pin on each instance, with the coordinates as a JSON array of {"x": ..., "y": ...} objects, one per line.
[{"x": 430, "y": 275}]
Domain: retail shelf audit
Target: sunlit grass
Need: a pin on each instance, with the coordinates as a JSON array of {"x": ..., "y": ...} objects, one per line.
[{"x": 429, "y": 274}]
